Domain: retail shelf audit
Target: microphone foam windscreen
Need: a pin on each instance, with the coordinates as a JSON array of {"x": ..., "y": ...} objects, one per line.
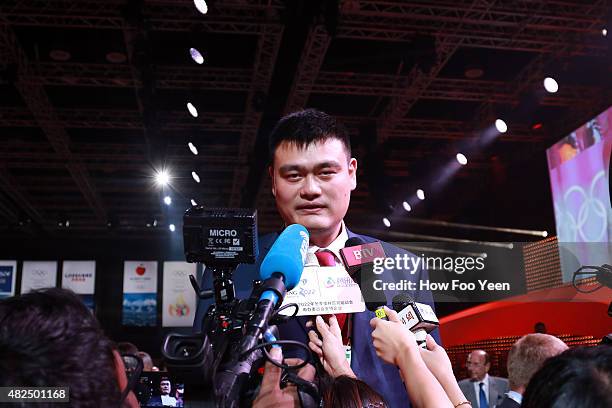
[
  {"x": 354, "y": 241},
  {"x": 400, "y": 301},
  {"x": 287, "y": 255}
]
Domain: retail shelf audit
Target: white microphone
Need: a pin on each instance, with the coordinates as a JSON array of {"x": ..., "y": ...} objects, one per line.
[{"x": 418, "y": 317}]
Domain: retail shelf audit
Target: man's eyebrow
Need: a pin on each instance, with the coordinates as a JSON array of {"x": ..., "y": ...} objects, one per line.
[{"x": 295, "y": 167}]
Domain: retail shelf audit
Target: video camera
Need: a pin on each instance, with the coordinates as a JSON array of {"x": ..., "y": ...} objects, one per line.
[{"x": 231, "y": 347}]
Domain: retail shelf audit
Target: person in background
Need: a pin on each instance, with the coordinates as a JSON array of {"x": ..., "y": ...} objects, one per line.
[
  {"x": 49, "y": 338},
  {"x": 526, "y": 356},
  {"x": 578, "y": 377},
  {"x": 481, "y": 389},
  {"x": 164, "y": 399}
]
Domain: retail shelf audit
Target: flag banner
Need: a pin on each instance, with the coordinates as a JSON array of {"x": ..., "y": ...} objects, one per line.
[
  {"x": 139, "y": 293},
  {"x": 38, "y": 275},
  {"x": 8, "y": 275},
  {"x": 79, "y": 276},
  {"x": 179, "y": 299}
]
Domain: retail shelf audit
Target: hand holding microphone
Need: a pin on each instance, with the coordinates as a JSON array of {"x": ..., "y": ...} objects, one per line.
[
  {"x": 328, "y": 346},
  {"x": 391, "y": 338}
]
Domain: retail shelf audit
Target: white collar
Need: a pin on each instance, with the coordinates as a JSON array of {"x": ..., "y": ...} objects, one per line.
[{"x": 336, "y": 245}]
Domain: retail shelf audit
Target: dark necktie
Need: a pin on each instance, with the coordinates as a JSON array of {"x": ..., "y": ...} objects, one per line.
[
  {"x": 483, "y": 397},
  {"x": 327, "y": 258}
]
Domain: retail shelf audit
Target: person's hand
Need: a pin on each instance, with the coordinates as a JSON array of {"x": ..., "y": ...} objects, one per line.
[
  {"x": 329, "y": 347},
  {"x": 436, "y": 359},
  {"x": 270, "y": 392},
  {"x": 391, "y": 338}
]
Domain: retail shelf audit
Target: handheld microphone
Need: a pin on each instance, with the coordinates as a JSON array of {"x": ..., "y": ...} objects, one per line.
[
  {"x": 358, "y": 256},
  {"x": 418, "y": 317},
  {"x": 357, "y": 253},
  {"x": 378, "y": 308},
  {"x": 281, "y": 270}
]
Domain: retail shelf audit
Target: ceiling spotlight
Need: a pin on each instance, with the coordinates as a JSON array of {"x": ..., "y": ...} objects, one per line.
[
  {"x": 604, "y": 32},
  {"x": 386, "y": 222},
  {"x": 407, "y": 206},
  {"x": 171, "y": 227},
  {"x": 195, "y": 176},
  {"x": 192, "y": 110},
  {"x": 551, "y": 85},
  {"x": 63, "y": 222},
  {"x": 162, "y": 178},
  {"x": 201, "y": 6},
  {"x": 544, "y": 234},
  {"x": 193, "y": 203},
  {"x": 151, "y": 222},
  {"x": 167, "y": 200},
  {"x": 461, "y": 159},
  {"x": 193, "y": 149},
  {"x": 420, "y": 194},
  {"x": 196, "y": 56},
  {"x": 501, "y": 126}
]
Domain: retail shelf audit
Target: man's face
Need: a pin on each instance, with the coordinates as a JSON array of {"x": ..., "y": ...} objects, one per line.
[
  {"x": 313, "y": 185},
  {"x": 476, "y": 366},
  {"x": 164, "y": 387}
]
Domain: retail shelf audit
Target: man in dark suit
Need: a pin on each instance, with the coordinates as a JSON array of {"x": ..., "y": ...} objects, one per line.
[
  {"x": 481, "y": 389},
  {"x": 526, "y": 357},
  {"x": 313, "y": 174}
]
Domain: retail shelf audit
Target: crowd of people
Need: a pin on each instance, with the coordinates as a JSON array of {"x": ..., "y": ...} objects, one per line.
[{"x": 49, "y": 337}]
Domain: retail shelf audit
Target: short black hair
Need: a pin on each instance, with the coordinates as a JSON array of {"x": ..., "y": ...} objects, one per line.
[
  {"x": 305, "y": 127},
  {"x": 49, "y": 338},
  {"x": 578, "y": 377}
]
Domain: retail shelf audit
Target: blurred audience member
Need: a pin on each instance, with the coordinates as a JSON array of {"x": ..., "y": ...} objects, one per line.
[
  {"x": 578, "y": 377},
  {"x": 539, "y": 327},
  {"x": 49, "y": 338},
  {"x": 525, "y": 358},
  {"x": 349, "y": 392},
  {"x": 482, "y": 389},
  {"x": 146, "y": 360}
]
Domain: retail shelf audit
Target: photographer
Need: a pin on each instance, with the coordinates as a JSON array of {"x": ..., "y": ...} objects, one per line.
[{"x": 36, "y": 331}]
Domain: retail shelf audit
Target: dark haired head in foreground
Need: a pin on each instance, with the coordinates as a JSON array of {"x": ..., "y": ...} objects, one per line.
[
  {"x": 579, "y": 377},
  {"x": 49, "y": 338},
  {"x": 349, "y": 392}
]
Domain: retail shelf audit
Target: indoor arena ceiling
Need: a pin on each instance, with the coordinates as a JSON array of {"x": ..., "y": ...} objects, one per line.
[{"x": 93, "y": 98}]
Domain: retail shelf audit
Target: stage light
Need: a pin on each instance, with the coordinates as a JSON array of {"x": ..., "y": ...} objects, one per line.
[
  {"x": 407, "y": 206},
  {"x": 193, "y": 149},
  {"x": 193, "y": 202},
  {"x": 420, "y": 194},
  {"x": 151, "y": 222},
  {"x": 604, "y": 32},
  {"x": 544, "y": 234},
  {"x": 167, "y": 200},
  {"x": 195, "y": 176},
  {"x": 171, "y": 227},
  {"x": 162, "y": 178},
  {"x": 201, "y": 6},
  {"x": 196, "y": 56},
  {"x": 501, "y": 126},
  {"x": 461, "y": 159},
  {"x": 386, "y": 222},
  {"x": 551, "y": 85},
  {"x": 537, "y": 126},
  {"x": 192, "y": 109}
]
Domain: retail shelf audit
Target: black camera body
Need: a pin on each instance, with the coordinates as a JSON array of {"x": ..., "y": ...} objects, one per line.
[{"x": 221, "y": 239}]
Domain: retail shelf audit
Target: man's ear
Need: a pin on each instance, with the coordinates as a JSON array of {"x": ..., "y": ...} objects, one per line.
[
  {"x": 352, "y": 169},
  {"x": 271, "y": 173}
]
